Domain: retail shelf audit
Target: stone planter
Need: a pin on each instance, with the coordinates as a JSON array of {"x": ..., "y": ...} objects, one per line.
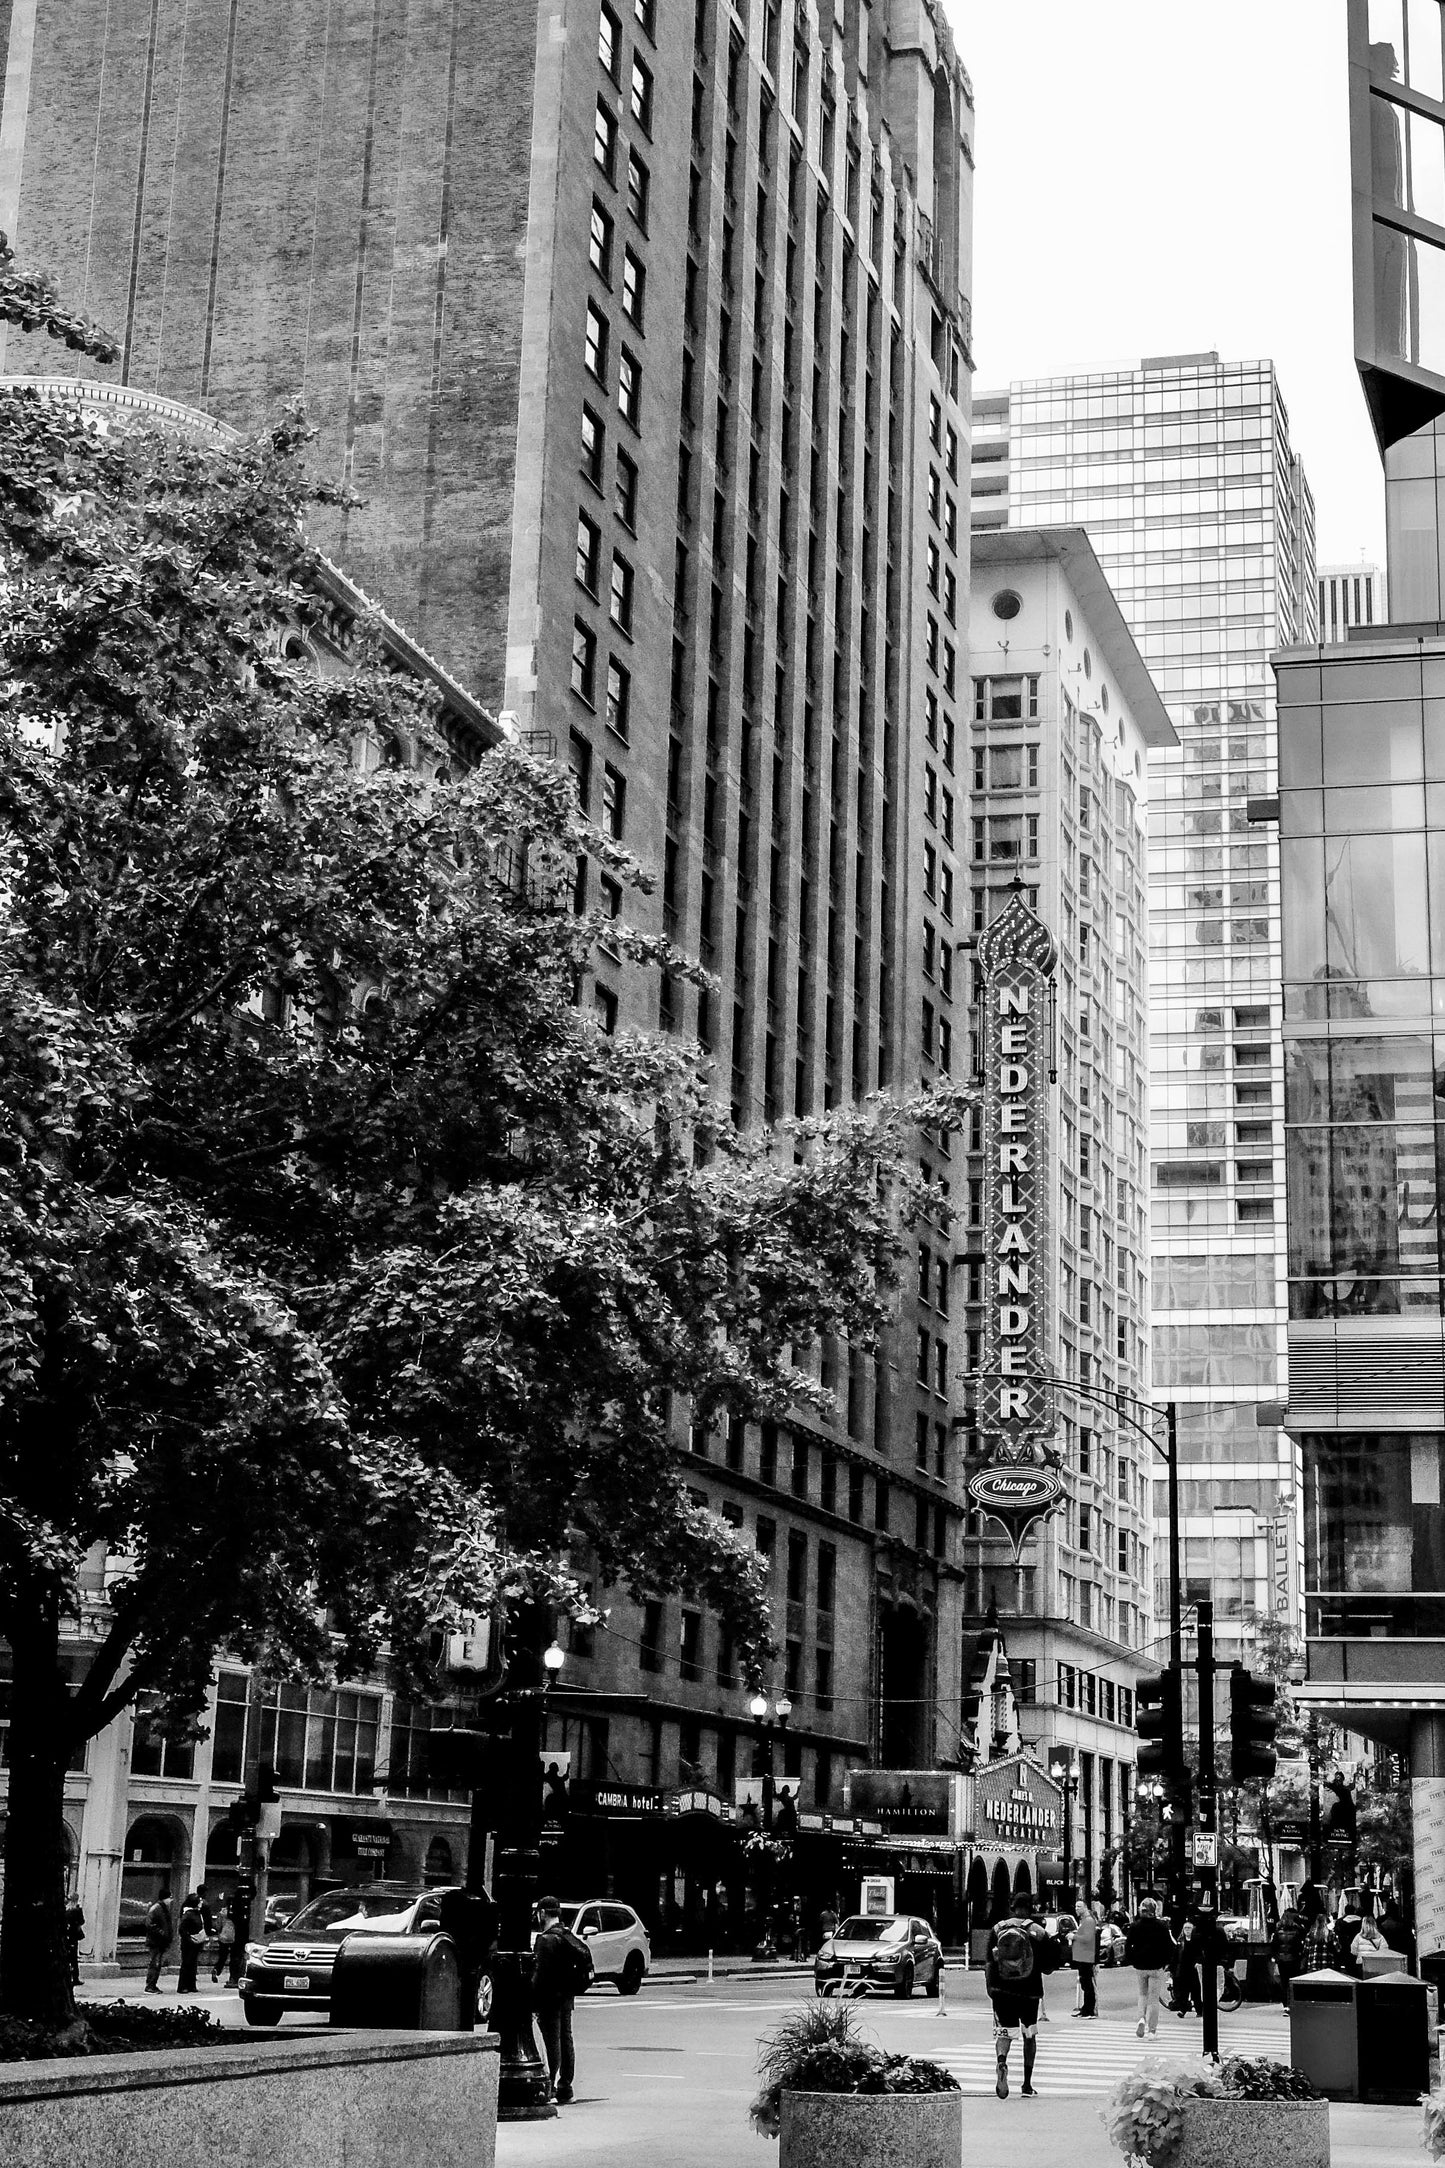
[
  {"x": 1243, "y": 2133},
  {"x": 871, "y": 2130},
  {"x": 364, "y": 2100}
]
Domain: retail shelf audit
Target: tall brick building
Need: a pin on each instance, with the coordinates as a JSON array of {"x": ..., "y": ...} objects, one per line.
[{"x": 642, "y": 331}]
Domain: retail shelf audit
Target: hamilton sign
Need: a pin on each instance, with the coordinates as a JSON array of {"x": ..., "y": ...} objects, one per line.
[{"x": 1019, "y": 1481}]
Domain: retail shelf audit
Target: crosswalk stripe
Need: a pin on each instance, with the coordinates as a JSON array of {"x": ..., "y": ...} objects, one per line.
[{"x": 1072, "y": 2064}]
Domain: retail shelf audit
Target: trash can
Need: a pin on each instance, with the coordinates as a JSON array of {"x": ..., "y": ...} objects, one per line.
[
  {"x": 1394, "y": 2037},
  {"x": 1323, "y": 2032},
  {"x": 402, "y": 1983}
]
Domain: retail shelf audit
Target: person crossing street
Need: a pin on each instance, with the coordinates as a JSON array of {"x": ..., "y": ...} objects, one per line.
[
  {"x": 1014, "y": 1967},
  {"x": 1084, "y": 1957},
  {"x": 1149, "y": 1948}
]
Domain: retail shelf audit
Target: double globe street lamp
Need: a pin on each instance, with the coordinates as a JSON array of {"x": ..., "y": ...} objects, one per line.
[
  {"x": 772, "y": 1722},
  {"x": 1066, "y": 1772}
]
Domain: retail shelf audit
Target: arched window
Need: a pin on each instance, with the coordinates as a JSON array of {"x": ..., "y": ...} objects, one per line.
[
  {"x": 151, "y": 1848},
  {"x": 438, "y": 1868}
]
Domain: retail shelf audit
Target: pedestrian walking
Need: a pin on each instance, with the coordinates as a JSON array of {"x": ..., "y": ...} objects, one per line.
[
  {"x": 1013, "y": 1973},
  {"x": 1149, "y": 1948},
  {"x": 1186, "y": 1991},
  {"x": 1084, "y": 1957},
  {"x": 1286, "y": 1946},
  {"x": 75, "y": 1935},
  {"x": 226, "y": 1933},
  {"x": 158, "y": 1937},
  {"x": 193, "y": 1935},
  {"x": 561, "y": 1970}
]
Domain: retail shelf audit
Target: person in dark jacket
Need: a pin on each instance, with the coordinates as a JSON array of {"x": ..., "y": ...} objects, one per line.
[
  {"x": 1013, "y": 1973},
  {"x": 193, "y": 1935},
  {"x": 74, "y": 1935},
  {"x": 1188, "y": 1956},
  {"x": 1287, "y": 1945},
  {"x": 158, "y": 1937},
  {"x": 554, "y": 1956},
  {"x": 1149, "y": 1948}
]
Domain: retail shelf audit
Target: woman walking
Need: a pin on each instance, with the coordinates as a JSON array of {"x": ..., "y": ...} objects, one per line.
[{"x": 1150, "y": 1950}]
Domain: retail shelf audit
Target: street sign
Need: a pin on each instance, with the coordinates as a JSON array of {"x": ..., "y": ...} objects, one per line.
[{"x": 1206, "y": 1848}]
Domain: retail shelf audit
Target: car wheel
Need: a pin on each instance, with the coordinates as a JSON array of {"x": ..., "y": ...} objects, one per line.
[
  {"x": 935, "y": 1983},
  {"x": 484, "y": 1998},
  {"x": 262, "y": 2013},
  {"x": 903, "y": 1986},
  {"x": 632, "y": 1973}
]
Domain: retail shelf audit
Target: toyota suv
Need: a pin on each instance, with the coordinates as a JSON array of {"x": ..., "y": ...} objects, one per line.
[{"x": 291, "y": 1969}]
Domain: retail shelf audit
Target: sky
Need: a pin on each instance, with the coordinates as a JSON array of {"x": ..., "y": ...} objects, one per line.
[{"x": 1158, "y": 178}]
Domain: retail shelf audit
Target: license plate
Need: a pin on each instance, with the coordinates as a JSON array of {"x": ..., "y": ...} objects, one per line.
[
  {"x": 853, "y": 1972},
  {"x": 295, "y": 1983}
]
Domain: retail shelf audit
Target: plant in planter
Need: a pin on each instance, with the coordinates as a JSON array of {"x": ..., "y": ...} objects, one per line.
[
  {"x": 1432, "y": 2136},
  {"x": 826, "y": 2090},
  {"x": 1168, "y": 2115}
]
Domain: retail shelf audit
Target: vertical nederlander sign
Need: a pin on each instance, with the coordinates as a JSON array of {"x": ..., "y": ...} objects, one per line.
[{"x": 1019, "y": 1479}]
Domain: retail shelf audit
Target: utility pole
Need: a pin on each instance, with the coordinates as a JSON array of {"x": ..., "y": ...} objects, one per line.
[
  {"x": 1207, "y": 1825},
  {"x": 1179, "y": 1823}
]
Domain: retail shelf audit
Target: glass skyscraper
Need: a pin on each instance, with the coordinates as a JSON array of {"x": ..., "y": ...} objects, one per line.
[{"x": 1182, "y": 473}]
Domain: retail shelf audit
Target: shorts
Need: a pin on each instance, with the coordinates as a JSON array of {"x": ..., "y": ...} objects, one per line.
[{"x": 1010, "y": 2010}]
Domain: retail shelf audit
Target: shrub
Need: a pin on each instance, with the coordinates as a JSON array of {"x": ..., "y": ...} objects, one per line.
[
  {"x": 1144, "y": 2114},
  {"x": 106, "y": 2028},
  {"x": 819, "y": 2048}
]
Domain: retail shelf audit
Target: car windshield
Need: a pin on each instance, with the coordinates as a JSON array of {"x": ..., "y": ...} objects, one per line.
[
  {"x": 385, "y": 1911},
  {"x": 861, "y": 1930}
]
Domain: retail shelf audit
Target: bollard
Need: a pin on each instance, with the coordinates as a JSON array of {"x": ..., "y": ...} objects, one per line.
[
  {"x": 942, "y": 2010},
  {"x": 709, "y": 1964}
]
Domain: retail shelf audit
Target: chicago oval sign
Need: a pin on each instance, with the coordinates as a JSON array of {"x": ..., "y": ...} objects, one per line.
[{"x": 1015, "y": 1490}]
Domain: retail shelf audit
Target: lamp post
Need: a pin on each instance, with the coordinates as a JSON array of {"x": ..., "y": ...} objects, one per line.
[
  {"x": 1065, "y": 1774},
  {"x": 770, "y": 1724},
  {"x": 525, "y": 2089},
  {"x": 1147, "y": 1427}
]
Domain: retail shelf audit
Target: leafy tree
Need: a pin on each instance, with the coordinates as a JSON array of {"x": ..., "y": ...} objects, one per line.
[{"x": 346, "y": 1265}]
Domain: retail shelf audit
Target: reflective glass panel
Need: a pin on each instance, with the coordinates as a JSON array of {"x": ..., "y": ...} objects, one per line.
[
  {"x": 1376, "y": 914},
  {"x": 1424, "y": 51}
]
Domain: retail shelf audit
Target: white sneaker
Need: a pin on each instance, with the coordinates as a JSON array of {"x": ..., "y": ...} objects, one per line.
[{"x": 1139, "y": 2030}]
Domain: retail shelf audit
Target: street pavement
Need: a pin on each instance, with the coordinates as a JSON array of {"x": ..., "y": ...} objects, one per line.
[{"x": 665, "y": 2076}]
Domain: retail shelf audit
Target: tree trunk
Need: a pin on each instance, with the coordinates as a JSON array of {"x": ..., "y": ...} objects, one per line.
[{"x": 34, "y": 1951}]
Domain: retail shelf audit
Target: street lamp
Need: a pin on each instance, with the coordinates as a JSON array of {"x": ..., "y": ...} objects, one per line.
[
  {"x": 1066, "y": 1775},
  {"x": 769, "y": 1726}
]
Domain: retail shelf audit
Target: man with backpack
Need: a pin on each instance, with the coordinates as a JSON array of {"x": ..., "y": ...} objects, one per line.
[
  {"x": 1016, "y": 1959},
  {"x": 561, "y": 1970}
]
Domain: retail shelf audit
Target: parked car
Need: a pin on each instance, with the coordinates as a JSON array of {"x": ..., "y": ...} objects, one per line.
[
  {"x": 278, "y": 1911},
  {"x": 291, "y": 1969},
  {"x": 890, "y": 1950},
  {"x": 621, "y": 1951}
]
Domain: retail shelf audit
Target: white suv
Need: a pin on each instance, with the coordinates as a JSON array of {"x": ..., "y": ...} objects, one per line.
[{"x": 617, "y": 1939}]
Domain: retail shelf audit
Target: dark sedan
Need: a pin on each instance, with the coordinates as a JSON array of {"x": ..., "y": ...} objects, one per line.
[{"x": 890, "y": 1952}]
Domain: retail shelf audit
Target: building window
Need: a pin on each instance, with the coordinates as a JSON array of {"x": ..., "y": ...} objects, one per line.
[
  {"x": 797, "y": 1567},
  {"x": 604, "y": 141},
  {"x": 604, "y": 1003},
  {"x": 599, "y": 245},
  {"x": 650, "y": 1654},
  {"x": 614, "y": 802},
  {"x": 638, "y": 186},
  {"x": 619, "y": 607},
  {"x": 629, "y": 387},
  {"x": 824, "y": 1661},
  {"x": 691, "y": 1647},
  {"x": 641, "y": 96},
  {"x": 584, "y": 662},
  {"x": 634, "y": 287},
  {"x": 626, "y": 491},
  {"x": 594, "y": 348},
  {"x": 594, "y": 445},
  {"x": 619, "y": 697},
  {"x": 645, "y": 14},
  {"x": 608, "y": 37},
  {"x": 589, "y": 549},
  {"x": 151, "y": 1753}
]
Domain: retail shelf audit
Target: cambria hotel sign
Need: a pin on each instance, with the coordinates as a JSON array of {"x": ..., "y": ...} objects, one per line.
[{"x": 1019, "y": 1479}]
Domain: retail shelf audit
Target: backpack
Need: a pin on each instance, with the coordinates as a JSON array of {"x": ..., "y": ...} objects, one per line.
[
  {"x": 579, "y": 1962},
  {"x": 1014, "y": 1960}
]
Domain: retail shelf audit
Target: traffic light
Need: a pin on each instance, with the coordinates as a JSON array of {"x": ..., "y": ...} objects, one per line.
[
  {"x": 243, "y": 1814},
  {"x": 1251, "y": 1725},
  {"x": 1158, "y": 1721}
]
